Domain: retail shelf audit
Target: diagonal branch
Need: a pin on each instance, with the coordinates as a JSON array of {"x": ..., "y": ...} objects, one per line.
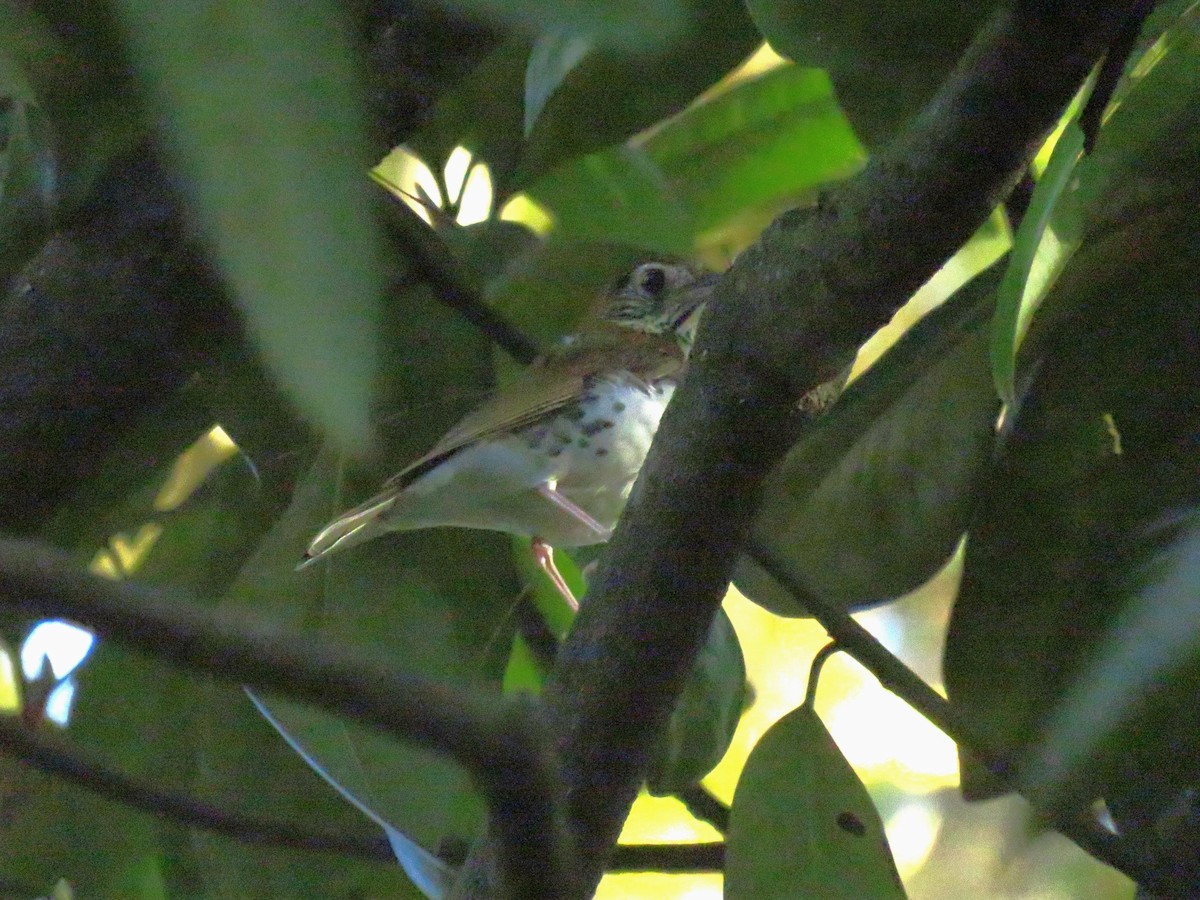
[
  {"x": 786, "y": 317},
  {"x": 501, "y": 743}
]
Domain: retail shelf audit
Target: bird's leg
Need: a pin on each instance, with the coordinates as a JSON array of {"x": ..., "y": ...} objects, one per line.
[
  {"x": 544, "y": 554},
  {"x": 550, "y": 492}
]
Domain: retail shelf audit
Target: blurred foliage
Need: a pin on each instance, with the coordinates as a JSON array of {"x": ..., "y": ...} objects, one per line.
[{"x": 630, "y": 129}]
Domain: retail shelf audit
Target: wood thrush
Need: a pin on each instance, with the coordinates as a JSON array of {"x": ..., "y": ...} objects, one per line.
[{"x": 554, "y": 454}]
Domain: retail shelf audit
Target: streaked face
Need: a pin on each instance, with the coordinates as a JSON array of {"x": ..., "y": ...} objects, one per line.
[{"x": 661, "y": 298}]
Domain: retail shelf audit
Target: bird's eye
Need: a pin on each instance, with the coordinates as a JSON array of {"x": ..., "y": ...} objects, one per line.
[{"x": 654, "y": 280}]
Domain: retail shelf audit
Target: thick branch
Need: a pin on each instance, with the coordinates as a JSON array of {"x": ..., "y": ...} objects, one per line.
[
  {"x": 501, "y": 743},
  {"x": 787, "y": 317},
  {"x": 57, "y": 759}
]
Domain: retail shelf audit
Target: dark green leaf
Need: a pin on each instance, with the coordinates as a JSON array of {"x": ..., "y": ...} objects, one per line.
[
  {"x": 263, "y": 118},
  {"x": 1100, "y": 453},
  {"x": 802, "y": 824},
  {"x": 611, "y": 95},
  {"x": 874, "y": 501},
  {"x": 706, "y": 715},
  {"x": 483, "y": 113},
  {"x": 434, "y": 601},
  {"x": 53, "y": 830},
  {"x": 886, "y": 58},
  {"x": 315, "y": 737},
  {"x": 63, "y": 58},
  {"x": 629, "y": 23},
  {"x": 554, "y": 55}
]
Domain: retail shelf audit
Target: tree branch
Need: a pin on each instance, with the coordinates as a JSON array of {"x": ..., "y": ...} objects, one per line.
[
  {"x": 786, "y": 317},
  {"x": 501, "y": 743},
  {"x": 434, "y": 264},
  {"x": 56, "y": 758},
  {"x": 706, "y": 857}
]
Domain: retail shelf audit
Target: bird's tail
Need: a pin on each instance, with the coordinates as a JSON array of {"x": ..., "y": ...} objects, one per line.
[{"x": 350, "y": 529}]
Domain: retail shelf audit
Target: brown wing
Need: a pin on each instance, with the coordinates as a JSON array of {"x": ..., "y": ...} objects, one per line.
[{"x": 554, "y": 382}]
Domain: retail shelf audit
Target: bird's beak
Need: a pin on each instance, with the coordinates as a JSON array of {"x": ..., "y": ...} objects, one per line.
[{"x": 695, "y": 296}]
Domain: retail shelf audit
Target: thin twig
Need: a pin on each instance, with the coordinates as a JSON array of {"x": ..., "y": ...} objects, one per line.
[
  {"x": 850, "y": 637},
  {"x": 56, "y": 758},
  {"x": 705, "y": 807},
  {"x": 704, "y": 857},
  {"x": 814, "y": 672},
  {"x": 433, "y": 263},
  {"x": 501, "y": 743}
]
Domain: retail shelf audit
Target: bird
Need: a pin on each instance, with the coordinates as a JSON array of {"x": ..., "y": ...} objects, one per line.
[{"x": 553, "y": 455}]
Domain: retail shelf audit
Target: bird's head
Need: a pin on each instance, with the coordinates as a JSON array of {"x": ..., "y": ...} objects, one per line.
[{"x": 664, "y": 298}]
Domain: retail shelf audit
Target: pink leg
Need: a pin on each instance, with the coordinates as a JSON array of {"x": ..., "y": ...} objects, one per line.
[
  {"x": 551, "y": 494},
  {"x": 544, "y": 554}
]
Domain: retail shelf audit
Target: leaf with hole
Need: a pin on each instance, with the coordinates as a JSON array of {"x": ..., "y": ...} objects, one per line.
[{"x": 802, "y": 824}]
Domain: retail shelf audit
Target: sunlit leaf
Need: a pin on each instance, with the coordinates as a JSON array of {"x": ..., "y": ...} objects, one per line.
[
  {"x": 1016, "y": 298},
  {"x": 262, "y": 112},
  {"x": 612, "y": 94},
  {"x": 802, "y": 824},
  {"x": 776, "y": 136},
  {"x": 885, "y": 58}
]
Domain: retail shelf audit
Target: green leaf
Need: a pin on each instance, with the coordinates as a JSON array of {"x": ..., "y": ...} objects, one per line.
[
  {"x": 1017, "y": 299},
  {"x": 886, "y": 59},
  {"x": 705, "y": 716},
  {"x": 523, "y": 672},
  {"x": 875, "y": 500},
  {"x": 1099, "y": 454},
  {"x": 1121, "y": 177},
  {"x": 619, "y": 196},
  {"x": 28, "y": 183},
  {"x": 1147, "y": 662},
  {"x": 612, "y": 95},
  {"x": 484, "y": 112},
  {"x": 770, "y": 139},
  {"x": 315, "y": 737},
  {"x": 55, "y": 830},
  {"x": 627, "y": 23},
  {"x": 434, "y": 601},
  {"x": 802, "y": 824},
  {"x": 262, "y": 112},
  {"x": 554, "y": 55},
  {"x": 64, "y": 59}
]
